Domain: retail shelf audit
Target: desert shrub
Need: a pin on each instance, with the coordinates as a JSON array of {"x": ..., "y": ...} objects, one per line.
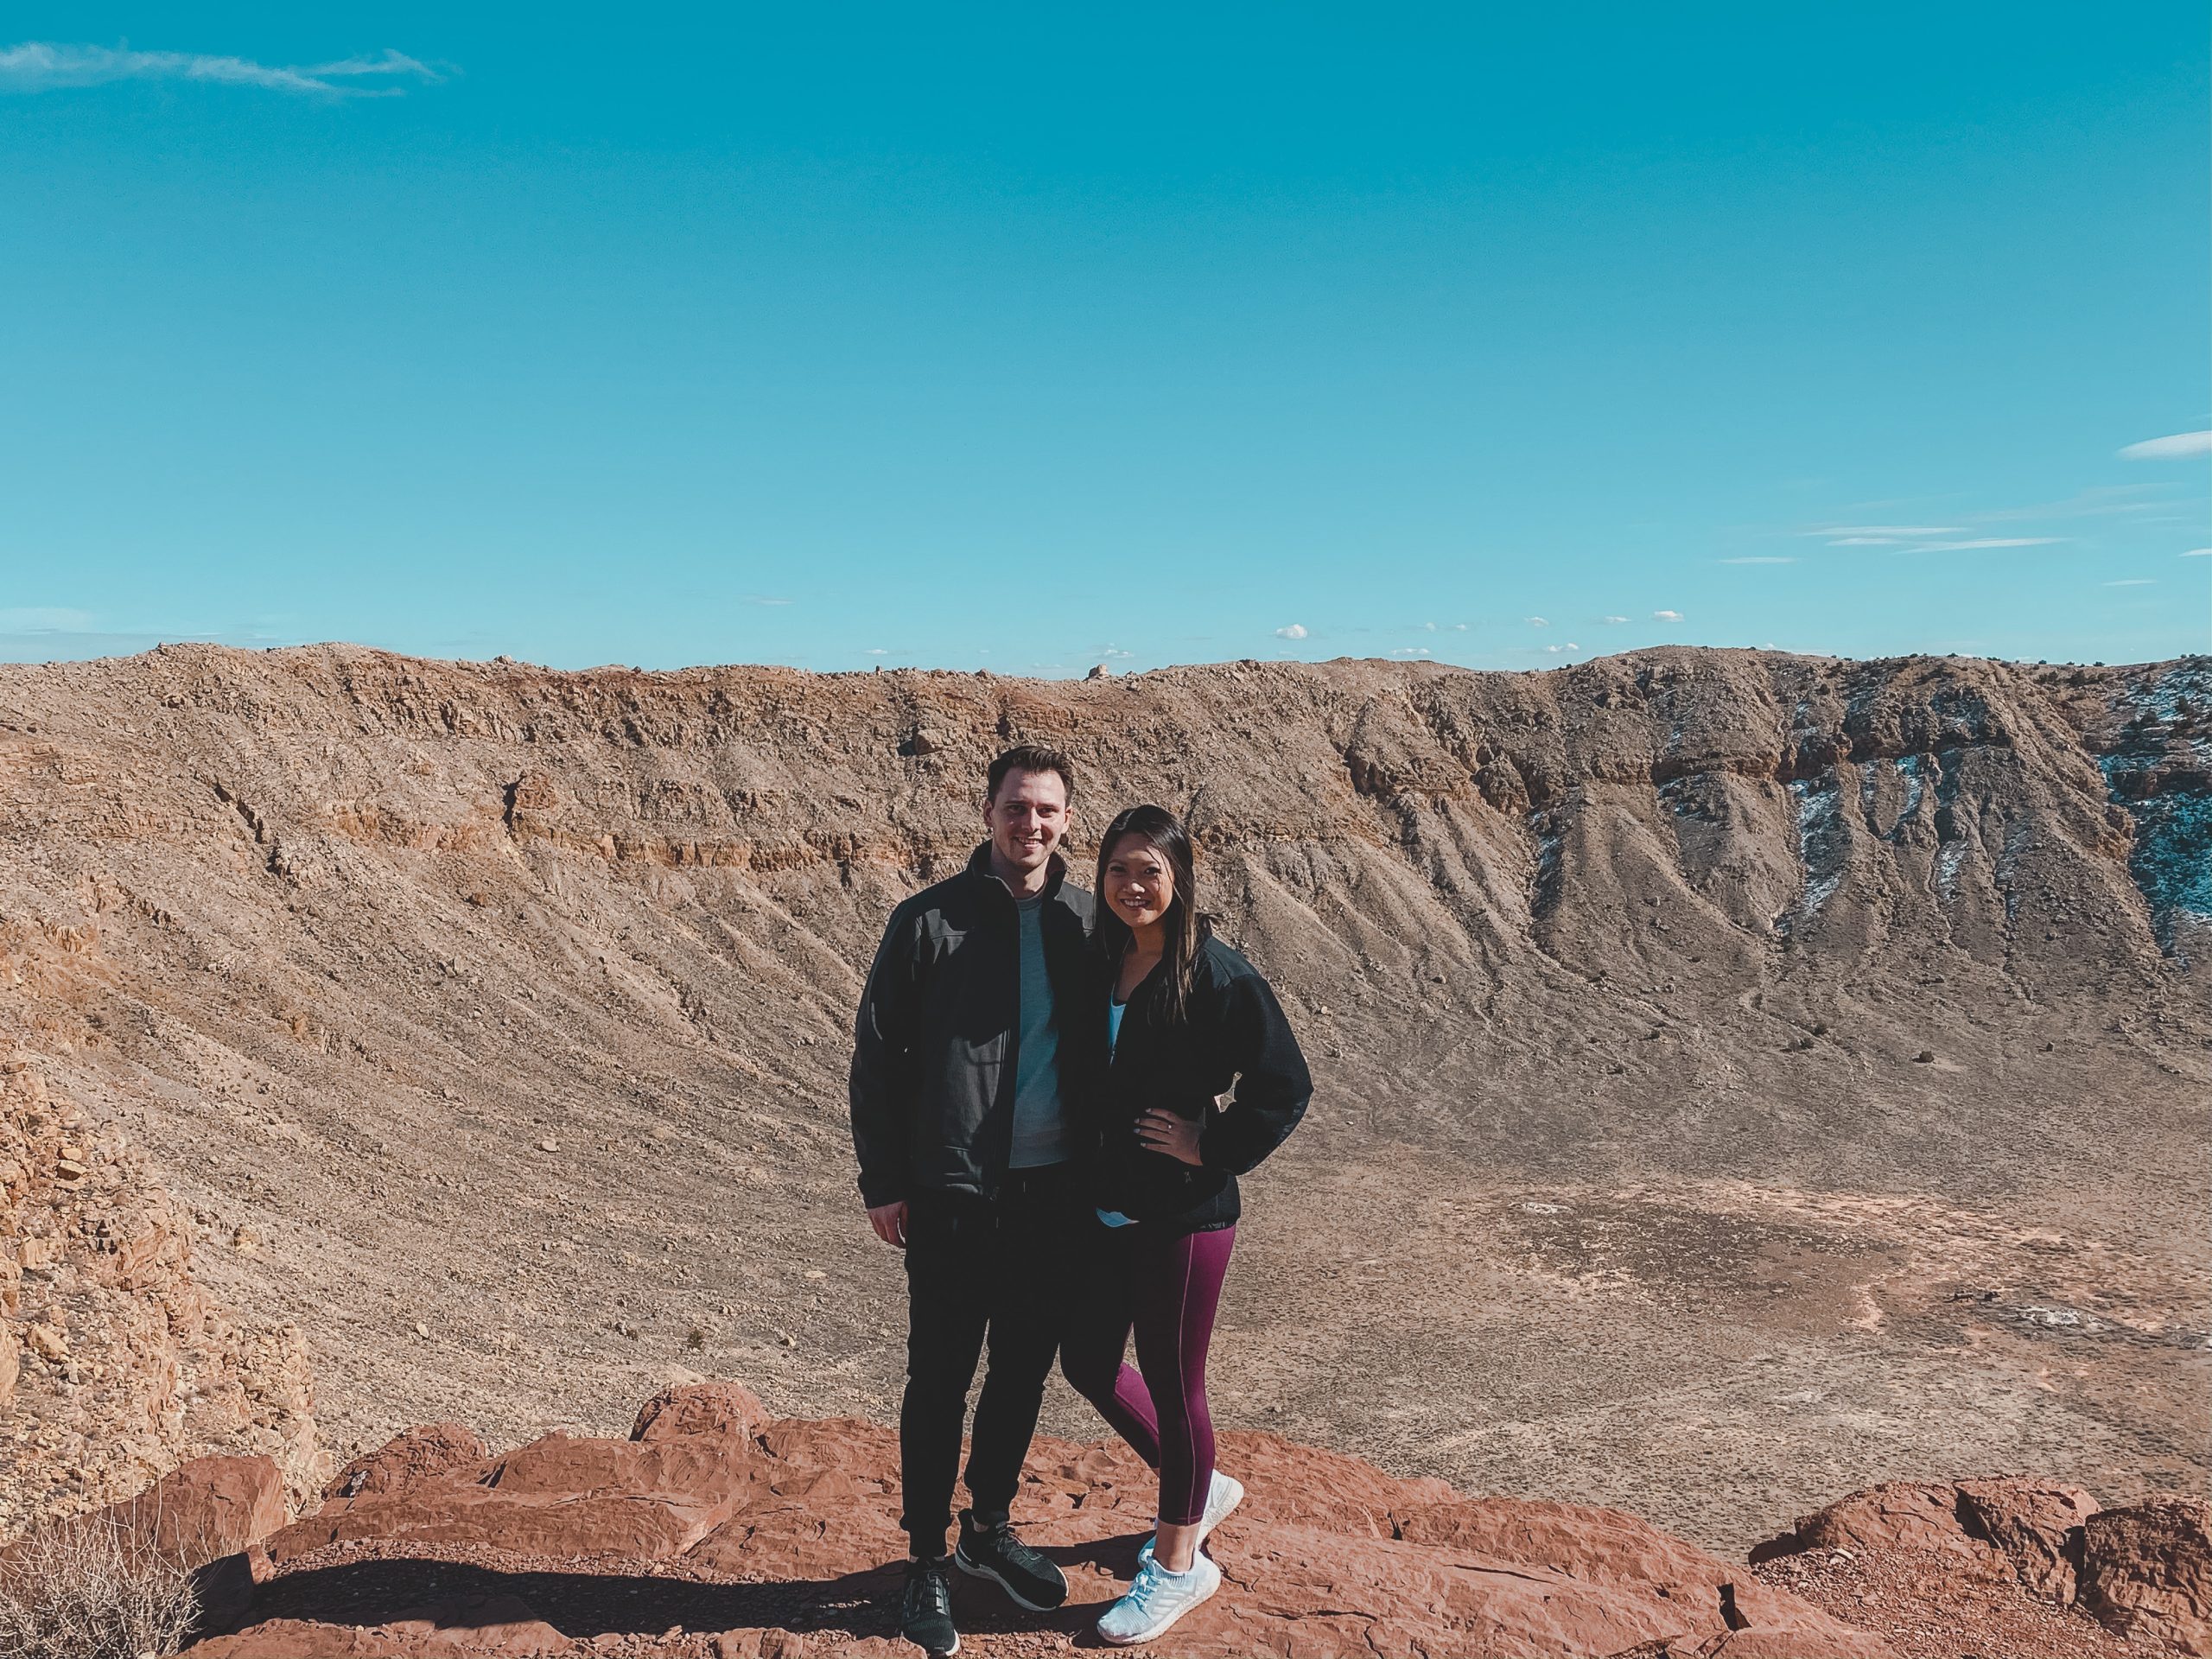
[{"x": 89, "y": 1589}]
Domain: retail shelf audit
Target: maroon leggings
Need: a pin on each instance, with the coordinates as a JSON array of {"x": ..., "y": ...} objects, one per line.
[{"x": 1166, "y": 1290}]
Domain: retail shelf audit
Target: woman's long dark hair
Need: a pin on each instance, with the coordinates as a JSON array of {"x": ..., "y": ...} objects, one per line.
[{"x": 1185, "y": 926}]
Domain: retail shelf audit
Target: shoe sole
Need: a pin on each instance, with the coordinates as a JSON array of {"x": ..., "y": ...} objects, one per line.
[
  {"x": 1154, "y": 1632},
  {"x": 934, "y": 1653},
  {"x": 977, "y": 1570}
]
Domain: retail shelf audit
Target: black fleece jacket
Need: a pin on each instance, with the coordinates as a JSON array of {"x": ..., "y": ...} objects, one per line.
[
  {"x": 936, "y": 1043},
  {"x": 1233, "y": 1031}
]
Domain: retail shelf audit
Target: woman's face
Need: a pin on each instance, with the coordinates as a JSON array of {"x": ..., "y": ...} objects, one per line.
[{"x": 1139, "y": 885}]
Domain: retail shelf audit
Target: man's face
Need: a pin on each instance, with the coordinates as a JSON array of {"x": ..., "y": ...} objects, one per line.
[{"x": 1027, "y": 817}]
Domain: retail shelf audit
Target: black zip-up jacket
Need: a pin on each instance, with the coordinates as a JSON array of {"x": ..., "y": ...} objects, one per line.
[
  {"x": 1233, "y": 1031},
  {"x": 936, "y": 1042}
]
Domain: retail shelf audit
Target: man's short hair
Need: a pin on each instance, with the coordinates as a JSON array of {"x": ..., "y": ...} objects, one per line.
[{"x": 1030, "y": 756}]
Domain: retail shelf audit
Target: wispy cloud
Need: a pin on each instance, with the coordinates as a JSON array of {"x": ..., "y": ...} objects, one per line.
[
  {"x": 760, "y": 599},
  {"x": 1612, "y": 618},
  {"x": 1985, "y": 541},
  {"x": 1884, "y": 530},
  {"x": 1459, "y": 627},
  {"x": 2178, "y": 446},
  {"x": 1428, "y": 627},
  {"x": 42, "y": 66},
  {"x": 1412, "y": 651},
  {"x": 1768, "y": 559},
  {"x": 1295, "y": 631},
  {"x": 1537, "y": 622},
  {"x": 2133, "y": 581},
  {"x": 1865, "y": 541},
  {"x": 1116, "y": 654},
  {"x": 1665, "y": 616},
  {"x": 1560, "y": 649},
  {"x": 2198, "y": 553}
]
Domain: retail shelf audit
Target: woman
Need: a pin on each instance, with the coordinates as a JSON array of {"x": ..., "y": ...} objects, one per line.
[{"x": 1188, "y": 1018}]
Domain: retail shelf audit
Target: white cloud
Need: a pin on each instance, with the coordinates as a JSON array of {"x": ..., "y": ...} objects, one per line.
[
  {"x": 2133, "y": 581},
  {"x": 1428, "y": 627},
  {"x": 1114, "y": 654},
  {"x": 1411, "y": 650},
  {"x": 2198, "y": 553},
  {"x": 1665, "y": 616},
  {"x": 2180, "y": 446},
  {"x": 1768, "y": 560},
  {"x": 1884, "y": 530},
  {"x": 1295, "y": 631},
  {"x": 1538, "y": 622},
  {"x": 1612, "y": 618},
  {"x": 1988, "y": 541},
  {"x": 1865, "y": 541},
  {"x": 1459, "y": 627},
  {"x": 41, "y": 66},
  {"x": 877, "y": 650}
]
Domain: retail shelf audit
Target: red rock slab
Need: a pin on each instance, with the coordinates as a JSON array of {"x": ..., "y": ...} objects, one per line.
[
  {"x": 1677, "y": 1585},
  {"x": 560, "y": 1495},
  {"x": 2027, "y": 1530},
  {"x": 2035, "y": 1525},
  {"x": 410, "y": 1457},
  {"x": 198, "y": 1513},
  {"x": 727, "y": 1409},
  {"x": 491, "y": 1627},
  {"x": 2146, "y": 1573}
]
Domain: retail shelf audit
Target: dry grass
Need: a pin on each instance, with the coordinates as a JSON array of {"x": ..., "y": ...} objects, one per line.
[{"x": 90, "y": 1589}]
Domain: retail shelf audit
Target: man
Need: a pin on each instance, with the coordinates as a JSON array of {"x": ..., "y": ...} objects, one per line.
[{"x": 967, "y": 1095}]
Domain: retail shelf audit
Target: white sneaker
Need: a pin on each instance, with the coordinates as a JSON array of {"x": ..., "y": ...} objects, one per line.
[
  {"x": 1225, "y": 1494},
  {"x": 1156, "y": 1600}
]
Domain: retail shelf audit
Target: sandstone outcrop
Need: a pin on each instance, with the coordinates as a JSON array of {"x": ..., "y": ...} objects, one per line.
[
  {"x": 774, "y": 1539},
  {"x": 553, "y": 1546},
  {"x": 2144, "y": 1571}
]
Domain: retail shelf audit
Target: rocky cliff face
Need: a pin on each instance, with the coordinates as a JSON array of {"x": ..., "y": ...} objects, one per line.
[
  {"x": 1714, "y": 1046},
  {"x": 114, "y": 1367}
]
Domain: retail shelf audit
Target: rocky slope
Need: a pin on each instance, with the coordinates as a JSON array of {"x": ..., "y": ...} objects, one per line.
[
  {"x": 1785, "y": 1070},
  {"x": 114, "y": 1367},
  {"x": 714, "y": 1532}
]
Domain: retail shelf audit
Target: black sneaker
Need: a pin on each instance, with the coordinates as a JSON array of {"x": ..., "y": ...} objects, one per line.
[
  {"x": 926, "y": 1607},
  {"x": 996, "y": 1553}
]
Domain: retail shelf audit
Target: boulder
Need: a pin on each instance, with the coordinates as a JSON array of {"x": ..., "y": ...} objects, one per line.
[
  {"x": 723, "y": 1408},
  {"x": 2035, "y": 1525},
  {"x": 2146, "y": 1573},
  {"x": 410, "y": 1457},
  {"x": 2029, "y": 1531},
  {"x": 210, "y": 1508}
]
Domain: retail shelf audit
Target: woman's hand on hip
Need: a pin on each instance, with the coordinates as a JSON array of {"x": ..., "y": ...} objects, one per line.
[{"x": 1162, "y": 1130}]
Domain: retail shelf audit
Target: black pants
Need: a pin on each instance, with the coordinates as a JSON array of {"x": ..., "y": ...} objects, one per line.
[{"x": 1005, "y": 1269}]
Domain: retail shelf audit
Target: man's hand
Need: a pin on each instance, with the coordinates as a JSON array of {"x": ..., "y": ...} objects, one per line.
[{"x": 889, "y": 1221}]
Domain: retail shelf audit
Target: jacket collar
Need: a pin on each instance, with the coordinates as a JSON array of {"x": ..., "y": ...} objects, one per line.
[{"x": 979, "y": 866}]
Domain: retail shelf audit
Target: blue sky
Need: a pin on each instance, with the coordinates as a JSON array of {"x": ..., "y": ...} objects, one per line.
[{"x": 1025, "y": 338}]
